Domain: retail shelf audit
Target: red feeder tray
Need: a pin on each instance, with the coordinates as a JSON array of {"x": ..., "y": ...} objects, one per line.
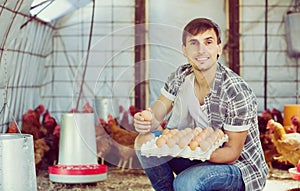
[
  {"x": 77, "y": 173},
  {"x": 294, "y": 173}
]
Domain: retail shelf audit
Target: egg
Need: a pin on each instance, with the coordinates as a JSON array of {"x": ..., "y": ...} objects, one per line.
[
  {"x": 184, "y": 141},
  {"x": 198, "y": 129},
  {"x": 187, "y": 130},
  {"x": 147, "y": 115},
  {"x": 193, "y": 145},
  {"x": 212, "y": 138},
  {"x": 219, "y": 133},
  {"x": 160, "y": 141},
  {"x": 210, "y": 130},
  {"x": 205, "y": 145},
  {"x": 171, "y": 142},
  {"x": 199, "y": 138},
  {"x": 173, "y": 131},
  {"x": 166, "y": 131}
]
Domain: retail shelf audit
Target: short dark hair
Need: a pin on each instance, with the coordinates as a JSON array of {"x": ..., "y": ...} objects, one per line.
[{"x": 200, "y": 25}]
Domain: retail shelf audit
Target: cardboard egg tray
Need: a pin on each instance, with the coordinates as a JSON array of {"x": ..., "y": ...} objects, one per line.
[{"x": 150, "y": 149}]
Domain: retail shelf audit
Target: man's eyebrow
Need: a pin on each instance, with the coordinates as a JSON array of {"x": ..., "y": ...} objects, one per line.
[
  {"x": 207, "y": 38},
  {"x": 191, "y": 40}
]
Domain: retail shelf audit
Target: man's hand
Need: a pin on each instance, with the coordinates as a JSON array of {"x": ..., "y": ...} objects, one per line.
[{"x": 141, "y": 125}]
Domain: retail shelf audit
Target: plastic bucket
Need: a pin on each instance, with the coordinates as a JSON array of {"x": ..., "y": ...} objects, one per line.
[
  {"x": 289, "y": 111},
  {"x": 17, "y": 166},
  {"x": 77, "y": 139},
  {"x": 106, "y": 106}
]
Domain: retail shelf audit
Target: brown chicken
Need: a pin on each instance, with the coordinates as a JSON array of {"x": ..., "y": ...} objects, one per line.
[
  {"x": 120, "y": 135},
  {"x": 103, "y": 140},
  {"x": 13, "y": 128},
  {"x": 31, "y": 122},
  {"x": 48, "y": 123},
  {"x": 40, "y": 148},
  {"x": 126, "y": 155},
  {"x": 287, "y": 145},
  {"x": 123, "y": 140},
  {"x": 295, "y": 123},
  {"x": 133, "y": 110}
]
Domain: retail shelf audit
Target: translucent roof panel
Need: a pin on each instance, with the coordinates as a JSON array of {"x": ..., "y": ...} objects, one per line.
[{"x": 50, "y": 10}]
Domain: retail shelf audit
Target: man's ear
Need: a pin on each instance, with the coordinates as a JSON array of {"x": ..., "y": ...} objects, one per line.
[
  {"x": 184, "y": 50},
  {"x": 220, "y": 49}
]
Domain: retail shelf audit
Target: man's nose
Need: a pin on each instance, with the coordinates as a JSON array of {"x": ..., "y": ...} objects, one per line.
[{"x": 201, "y": 47}]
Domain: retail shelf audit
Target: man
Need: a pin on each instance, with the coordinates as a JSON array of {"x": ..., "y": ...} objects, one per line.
[{"x": 206, "y": 93}]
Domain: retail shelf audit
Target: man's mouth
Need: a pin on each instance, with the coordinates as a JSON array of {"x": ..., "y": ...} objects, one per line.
[{"x": 202, "y": 58}]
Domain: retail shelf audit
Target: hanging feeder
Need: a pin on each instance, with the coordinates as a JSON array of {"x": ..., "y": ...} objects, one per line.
[{"x": 77, "y": 162}]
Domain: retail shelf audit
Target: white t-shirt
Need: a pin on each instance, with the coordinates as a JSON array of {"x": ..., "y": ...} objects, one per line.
[{"x": 187, "y": 111}]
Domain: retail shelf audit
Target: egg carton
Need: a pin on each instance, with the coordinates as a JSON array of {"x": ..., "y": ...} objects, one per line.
[{"x": 150, "y": 149}]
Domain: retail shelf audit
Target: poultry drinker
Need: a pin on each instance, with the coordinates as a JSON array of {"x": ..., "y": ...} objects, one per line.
[{"x": 77, "y": 162}]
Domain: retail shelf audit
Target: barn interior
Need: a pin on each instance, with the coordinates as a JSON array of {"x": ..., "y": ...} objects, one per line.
[{"x": 81, "y": 63}]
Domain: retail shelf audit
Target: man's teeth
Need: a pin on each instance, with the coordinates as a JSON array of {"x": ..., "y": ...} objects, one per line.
[{"x": 201, "y": 59}]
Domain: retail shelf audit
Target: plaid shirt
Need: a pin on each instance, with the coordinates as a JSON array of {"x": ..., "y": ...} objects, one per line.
[{"x": 231, "y": 105}]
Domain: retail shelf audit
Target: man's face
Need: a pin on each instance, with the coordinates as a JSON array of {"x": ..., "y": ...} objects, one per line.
[{"x": 202, "y": 49}]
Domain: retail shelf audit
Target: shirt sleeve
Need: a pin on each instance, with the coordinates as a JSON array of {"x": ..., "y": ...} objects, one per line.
[{"x": 242, "y": 111}]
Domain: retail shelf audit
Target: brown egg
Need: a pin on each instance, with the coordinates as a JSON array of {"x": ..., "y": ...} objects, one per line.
[
  {"x": 210, "y": 130},
  {"x": 173, "y": 131},
  {"x": 171, "y": 142},
  {"x": 176, "y": 138},
  {"x": 184, "y": 141},
  {"x": 205, "y": 145},
  {"x": 166, "y": 131},
  {"x": 219, "y": 133},
  {"x": 147, "y": 115},
  {"x": 160, "y": 141},
  {"x": 202, "y": 135},
  {"x": 197, "y": 130},
  {"x": 193, "y": 145},
  {"x": 188, "y": 130},
  {"x": 212, "y": 138},
  {"x": 199, "y": 138}
]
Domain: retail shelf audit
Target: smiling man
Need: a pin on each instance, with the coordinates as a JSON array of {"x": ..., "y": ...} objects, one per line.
[{"x": 206, "y": 93}]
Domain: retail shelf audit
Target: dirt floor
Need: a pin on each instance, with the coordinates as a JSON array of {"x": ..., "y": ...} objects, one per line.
[{"x": 136, "y": 180}]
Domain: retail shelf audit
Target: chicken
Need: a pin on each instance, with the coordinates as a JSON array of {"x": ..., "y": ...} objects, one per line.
[
  {"x": 126, "y": 155},
  {"x": 40, "y": 148},
  {"x": 48, "y": 123},
  {"x": 277, "y": 115},
  {"x": 13, "y": 128},
  {"x": 126, "y": 120},
  {"x": 103, "y": 124},
  {"x": 123, "y": 141},
  {"x": 103, "y": 143},
  {"x": 103, "y": 140},
  {"x": 266, "y": 115},
  {"x": 56, "y": 131},
  {"x": 31, "y": 122},
  {"x": 120, "y": 135},
  {"x": 287, "y": 145},
  {"x": 51, "y": 155},
  {"x": 87, "y": 108},
  {"x": 133, "y": 110},
  {"x": 295, "y": 126}
]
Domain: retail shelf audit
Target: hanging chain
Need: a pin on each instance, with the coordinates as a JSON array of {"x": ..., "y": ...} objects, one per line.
[{"x": 5, "y": 80}]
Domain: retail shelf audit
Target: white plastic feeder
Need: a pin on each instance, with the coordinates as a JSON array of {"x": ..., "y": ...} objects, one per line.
[
  {"x": 17, "y": 167},
  {"x": 77, "y": 161}
]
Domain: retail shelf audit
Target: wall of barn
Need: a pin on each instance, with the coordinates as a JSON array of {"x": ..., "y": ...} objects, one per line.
[
  {"x": 25, "y": 48},
  {"x": 110, "y": 63},
  {"x": 265, "y": 64},
  {"x": 44, "y": 64}
]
